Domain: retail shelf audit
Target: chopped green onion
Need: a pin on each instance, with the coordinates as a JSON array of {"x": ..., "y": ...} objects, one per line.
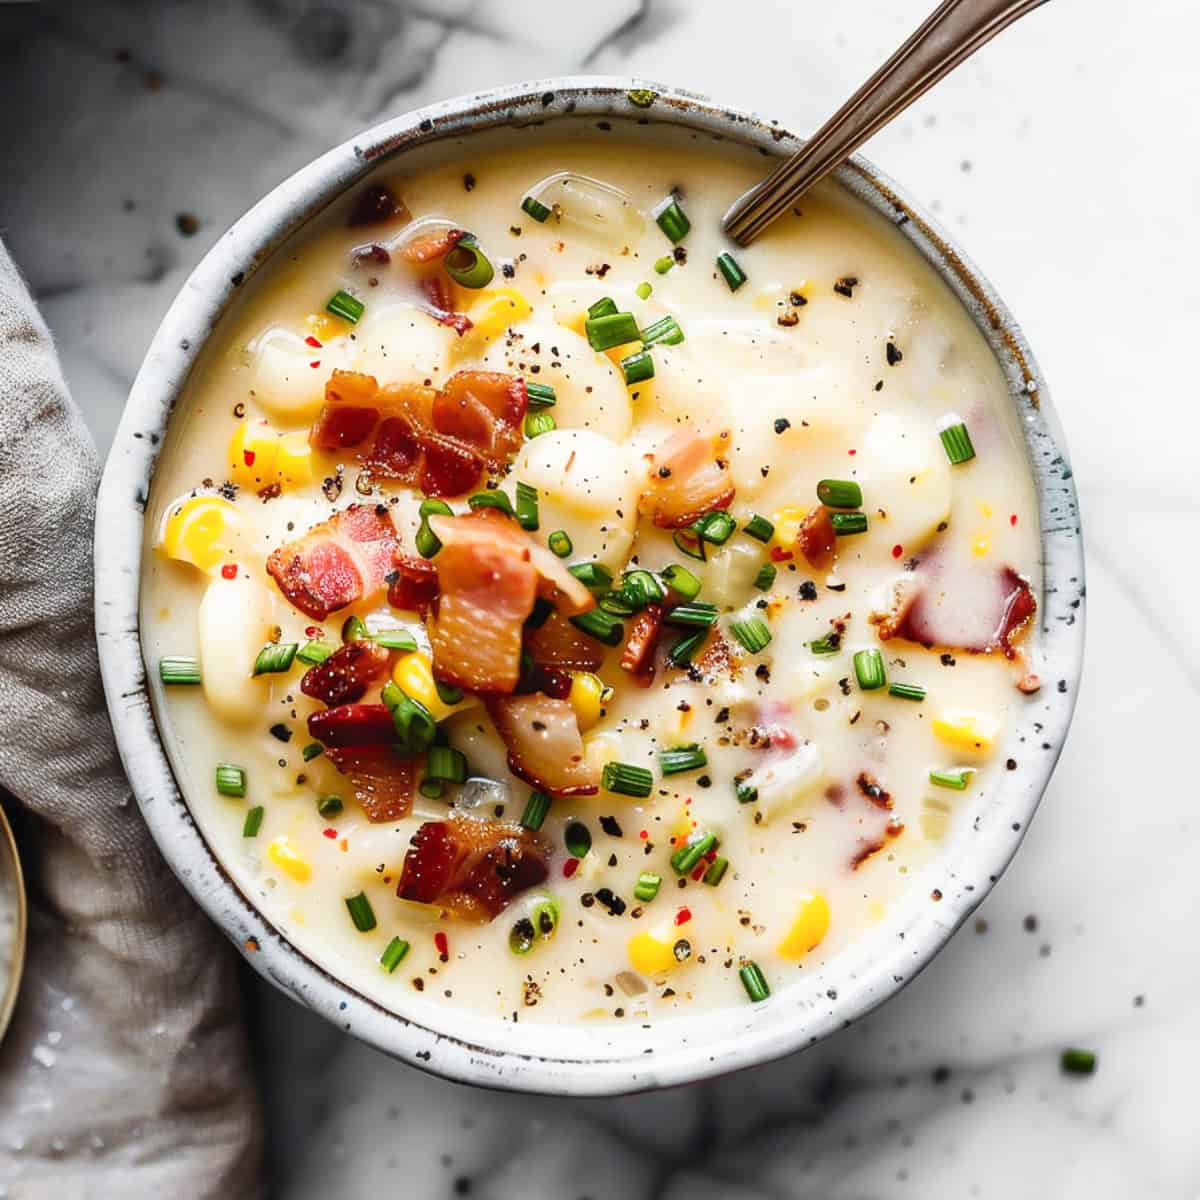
[
  {"x": 627, "y": 780},
  {"x": 840, "y": 493},
  {"x": 393, "y": 956},
  {"x": 677, "y": 759},
  {"x": 231, "y": 780},
  {"x": 536, "y": 808},
  {"x": 177, "y": 669},
  {"x": 754, "y": 982},
  {"x": 493, "y": 499},
  {"x": 637, "y": 368},
  {"x": 647, "y": 886},
  {"x": 684, "y": 650},
  {"x": 716, "y": 527},
  {"x": 614, "y": 329},
  {"x": 956, "y": 440},
  {"x": 329, "y": 806},
  {"x": 829, "y": 644},
  {"x": 428, "y": 543},
  {"x": 906, "y": 691},
  {"x": 539, "y": 395},
  {"x": 314, "y": 652},
  {"x": 354, "y": 629},
  {"x": 312, "y": 750},
  {"x": 848, "y": 522},
  {"x": 446, "y": 763},
  {"x": 643, "y": 291},
  {"x": 641, "y": 588},
  {"x": 730, "y": 271},
  {"x": 604, "y": 627},
  {"x": 467, "y": 265},
  {"x": 447, "y": 692},
  {"x": 716, "y": 871},
  {"x": 688, "y": 541},
  {"x": 692, "y": 851},
  {"x": 342, "y": 304},
  {"x": 274, "y": 658},
  {"x": 618, "y": 603},
  {"x": 602, "y": 308},
  {"x": 522, "y": 936},
  {"x": 665, "y": 330},
  {"x": 253, "y": 821},
  {"x": 537, "y": 423},
  {"x": 544, "y": 917},
  {"x": 957, "y": 780},
  {"x": 395, "y": 639},
  {"x": 361, "y": 912},
  {"x": 752, "y": 633},
  {"x": 414, "y": 725},
  {"x": 535, "y": 208},
  {"x": 765, "y": 577},
  {"x": 594, "y": 576},
  {"x": 681, "y": 583},
  {"x": 759, "y": 528},
  {"x": 432, "y": 789},
  {"x": 1078, "y": 1062},
  {"x": 696, "y": 614},
  {"x": 578, "y": 839},
  {"x": 671, "y": 219},
  {"x": 527, "y": 506},
  {"x": 560, "y": 543},
  {"x": 664, "y": 264},
  {"x": 868, "y": 669},
  {"x": 746, "y": 793}
]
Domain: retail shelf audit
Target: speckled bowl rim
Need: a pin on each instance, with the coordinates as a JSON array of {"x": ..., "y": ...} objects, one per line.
[{"x": 605, "y": 1060}]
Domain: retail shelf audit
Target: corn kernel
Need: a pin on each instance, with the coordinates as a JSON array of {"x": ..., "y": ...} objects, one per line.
[
  {"x": 199, "y": 531},
  {"x": 413, "y": 675},
  {"x": 586, "y": 690},
  {"x": 808, "y": 929},
  {"x": 285, "y": 856},
  {"x": 253, "y": 451},
  {"x": 787, "y": 522},
  {"x": 494, "y": 311},
  {"x": 967, "y": 730},
  {"x": 652, "y": 953},
  {"x": 980, "y": 546}
]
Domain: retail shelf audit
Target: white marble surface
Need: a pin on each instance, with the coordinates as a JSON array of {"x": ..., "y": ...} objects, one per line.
[{"x": 1061, "y": 158}]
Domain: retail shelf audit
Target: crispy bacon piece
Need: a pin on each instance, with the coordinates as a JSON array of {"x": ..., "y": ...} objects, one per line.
[
  {"x": 557, "y": 643},
  {"x": 414, "y": 585},
  {"x": 483, "y": 409},
  {"x": 346, "y": 674},
  {"x": 352, "y": 725},
  {"x": 382, "y": 780},
  {"x": 339, "y": 562},
  {"x": 718, "y": 658},
  {"x": 874, "y": 791},
  {"x": 439, "y": 308},
  {"x": 472, "y": 867},
  {"x": 816, "y": 538},
  {"x": 376, "y": 204},
  {"x": 544, "y": 744},
  {"x": 638, "y": 655},
  {"x": 867, "y": 847},
  {"x": 687, "y": 477},
  {"x": 431, "y": 245}
]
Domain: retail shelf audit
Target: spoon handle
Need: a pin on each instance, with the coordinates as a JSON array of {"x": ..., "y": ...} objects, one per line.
[{"x": 949, "y": 35}]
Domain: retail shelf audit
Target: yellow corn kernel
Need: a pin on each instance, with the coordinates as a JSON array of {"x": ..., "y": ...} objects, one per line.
[
  {"x": 980, "y": 546},
  {"x": 294, "y": 460},
  {"x": 586, "y": 690},
  {"x": 808, "y": 929},
  {"x": 494, "y": 311},
  {"x": 325, "y": 326},
  {"x": 985, "y": 510},
  {"x": 199, "y": 531},
  {"x": 787, "y": 522},
  {"x": 413, "y": 675},
  {"x": 967, "y": 730},
  {"x": 288, "y": 859},
  {"x": 652, "y": 953},
  {"x": 253, "y": 451}
]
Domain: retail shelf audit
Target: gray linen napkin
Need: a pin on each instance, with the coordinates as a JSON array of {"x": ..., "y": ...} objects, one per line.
[{"x": 125, "y": 1072}]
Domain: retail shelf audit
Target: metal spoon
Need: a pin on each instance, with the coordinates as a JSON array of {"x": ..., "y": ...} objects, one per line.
[{"x": 950, "y": 35}]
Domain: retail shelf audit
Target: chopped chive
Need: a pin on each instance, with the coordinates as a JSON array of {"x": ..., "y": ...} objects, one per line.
[
  {"x": 641, "y": 588},
  {"x": 446, "y": 763},
  {"x": 637, "y": 368},
  {"x": 560, "y": 543},
  {"x": 957, "y": 780},
  {"x": 253, "y": 821},
  {"x": 677, "y": 759},
  {"x": 765, "y": 577},
  {"x": 643, "y": 291},
  {"x": 539, "y": 395},
  {"x": 275, "y": 658},
  {"x": 716, "y": 871},
  {"x": 831, "y": 643},
  {"x": 1078, "y": 1062},
  {"x": 467, "y": 264},
  {"x": 342, "y": 304},
  {"x": 754, "y": 981},
  {"x": 448, "y": 693},
  {"x": 730, "y": 271},
  {"x": 664, "y": 264},
  {"x": 665, "y": 330},
  {"x": 394, "y": 954},
  {"x": 314, "y": 652},
  {"x": 848, "y": 522},
  {"x": 647, "y": 886},
  {"x": 361, "y": 912},
  {"x": 759, "y": 528},
  {"x": 840, "y": 493},
  {"x": 354, "y": 629},
  {"x": 956, "y": 439},
  {"x": 312, "y": 750},
  {"x": 696, "y": 614},
  {"x": 627, "y": 780},
  {"x": 684, "y": 650},
  {"x": 906, "y": 691},
  {"x": 176, "y": 669},
  {"x": 594, "y": 576},
  {"x": 329, "y": 806},
  {"x": 414, "y": 724},
  {"x": 432, "y": 789},
  {"x": 618, "y": 603},
  {"x": 689, "y": 542},
  {"x": 604, "y": 627},
  {"x": 536, "y": 809},
  {"x": 395, "y": 639},
  {"x": 681, "y": 583},
  {"x": 537, "y": 423},
  {"x": 868, "y": 669},
  {"x": 613, "y": 329},
  {"x": 527, "y": 506},
  {"x": 231, "y": 780},
  {"x": 522, "y": 936},
  {"x": 692, "y": 851},
  {"x": 535, "y": 208},
  {"x": 746, "y": 793},
  {"x": 752, "y": 633},
  {"x": 578, "y": 839},
  {"x": 715, "y": 527},
  {"x": 671, "y": 219},
  {"x": 493, "y": 499},
  {"x": 602, "y": 308}
]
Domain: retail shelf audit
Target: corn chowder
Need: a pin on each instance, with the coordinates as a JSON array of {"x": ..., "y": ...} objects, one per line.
[{"x": 564, "y": 613}]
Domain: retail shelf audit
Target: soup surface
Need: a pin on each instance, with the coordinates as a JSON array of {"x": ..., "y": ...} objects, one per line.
[{"x": 584, "y": 618}]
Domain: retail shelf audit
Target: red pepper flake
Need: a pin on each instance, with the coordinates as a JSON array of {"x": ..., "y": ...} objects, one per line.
[
  {"x": 683, "y": 916},
  {"x": 570, "y": 867},
  {"x": 852, "y": 452},
  {"x": 312, "y": 341},
  {"x": 698, "y": 874},
  {"x": 229, "y": 571},
  {"x": 1012, "y": 520},
  {"x": 443, "y": 945},
  {"x": 897, "y": 550},
  {"x": 330, "y": 833},
  {"x": 779, "y": 554},
  {"x": 643, "y": 834},
  {"x": 248, "y": 457},
  {"x": 688, "y": 800},
  {"x": 316, "y": 362},
  {"x": 313, "y": 631}
]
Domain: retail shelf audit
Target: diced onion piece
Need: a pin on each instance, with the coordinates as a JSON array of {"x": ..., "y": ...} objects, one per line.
[
  {"x": 785, "y": 782},
  {"x": 587, "y": 207}
]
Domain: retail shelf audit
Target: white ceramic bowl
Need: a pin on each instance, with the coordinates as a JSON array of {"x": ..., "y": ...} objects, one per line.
[{"x": 579, "y": 1060}]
